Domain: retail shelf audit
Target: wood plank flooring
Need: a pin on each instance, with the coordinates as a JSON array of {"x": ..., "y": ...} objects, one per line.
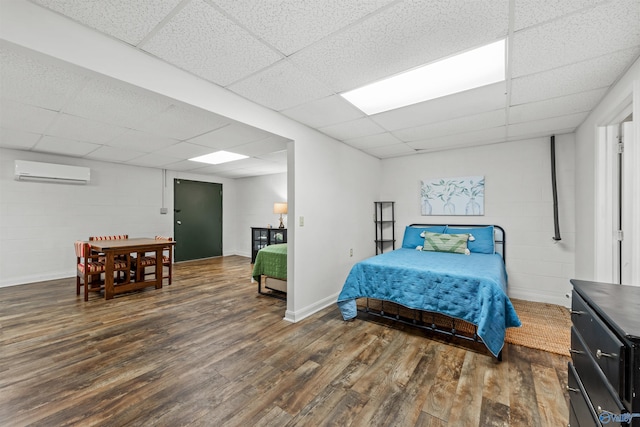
[{"x": 210, "y": 351}]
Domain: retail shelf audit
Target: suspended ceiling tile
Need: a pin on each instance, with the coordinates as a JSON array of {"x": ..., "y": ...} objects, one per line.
[
  {"x": 262, "y": 147},
  {"x": 580, "y": 77},
  {"x": 31, "y": 78},
  {"x": 280, "y": 86},
  {"x": 114, "y": 102},
  {"x": 400, "y": 37},
  {"x": 547, "y": 126},
  {"x": 352, "y": 129},
  {"x": 201, "y": 40},
  {"x": 564, "y": 105},
  {"x": 153, "y": 160},
  {"x": 390, "y": 151},
  {"x": 578, "y": 37},
  {"x": 324, "y": 112},
  {"x": 81, "y": 129},
  {"x": 184, "y": 150},
  {"x": 373, "y": 141},
  {"x": 64, "y": 146},
  {"x": 126, "y": 20},
  {"x": 471, "y": 102},
  {"x": 230, "y": 136},
  {"x": 486, "y": 120},
  {"x": 462, "y": 140},
  {"x": 112, "y": 154},
  {"x": 28, "y": 118},
  {"x": 185, "y": 165},
  {"x": 183, "y": 122},
  {"x": 532, "y": 12},
  {"x": 141, "y": 141},
  {"x": 17, "y": 139},
  {"x": 309, "y": 20},
  {"x": 277, "y": 157}
]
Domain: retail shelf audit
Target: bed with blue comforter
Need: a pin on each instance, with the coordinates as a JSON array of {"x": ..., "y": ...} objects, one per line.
[{"x": 471, "y": 287}]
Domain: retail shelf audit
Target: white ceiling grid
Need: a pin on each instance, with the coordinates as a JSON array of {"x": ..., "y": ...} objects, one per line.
[{"x": 296, "y": 57}]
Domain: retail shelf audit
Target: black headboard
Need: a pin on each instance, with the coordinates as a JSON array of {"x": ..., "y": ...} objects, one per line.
[{"x": 499, "y": 236}]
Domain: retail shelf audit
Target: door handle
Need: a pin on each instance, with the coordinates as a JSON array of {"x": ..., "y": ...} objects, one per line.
[{"x": 179, "y": 222}]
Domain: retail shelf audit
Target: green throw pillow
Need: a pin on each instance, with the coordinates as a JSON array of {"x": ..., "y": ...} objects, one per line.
[{"x": 438, "y": 242}]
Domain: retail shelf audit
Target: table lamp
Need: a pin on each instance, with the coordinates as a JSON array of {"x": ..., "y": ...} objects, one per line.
[{"x": 280, "y": 208}]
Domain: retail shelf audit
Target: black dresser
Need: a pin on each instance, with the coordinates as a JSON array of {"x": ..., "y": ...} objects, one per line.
[{"x": 604, "y": 372}]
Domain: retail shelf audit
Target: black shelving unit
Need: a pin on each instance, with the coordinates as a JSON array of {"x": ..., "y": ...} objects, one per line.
[
  {"x": 262, "y": 236},
  {"x": 385, "y": 221}
]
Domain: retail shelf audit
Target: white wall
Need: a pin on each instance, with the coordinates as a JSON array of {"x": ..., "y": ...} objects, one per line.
[
  {"x": 518, "y": 197},
  {"x": 40, "y": 221},
  {"x": 255, "y": 197},
  {"x": 626, "y": 90}
]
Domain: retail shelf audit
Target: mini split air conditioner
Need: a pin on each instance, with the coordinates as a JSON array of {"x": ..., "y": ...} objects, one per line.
[{"x": 49, "y": 172}]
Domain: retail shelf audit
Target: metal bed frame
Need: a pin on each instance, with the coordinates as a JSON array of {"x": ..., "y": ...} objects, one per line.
[{"x": 418, "y": 319}]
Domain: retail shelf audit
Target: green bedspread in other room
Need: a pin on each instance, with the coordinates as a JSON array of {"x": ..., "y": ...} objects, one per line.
[{"x": 271, "y": 261}]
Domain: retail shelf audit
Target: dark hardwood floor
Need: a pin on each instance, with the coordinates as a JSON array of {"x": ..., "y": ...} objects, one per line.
[{"x": 209, "y": 351}]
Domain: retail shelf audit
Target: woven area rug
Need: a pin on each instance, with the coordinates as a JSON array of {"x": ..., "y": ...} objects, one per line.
[{"x": 544, "y": 327}]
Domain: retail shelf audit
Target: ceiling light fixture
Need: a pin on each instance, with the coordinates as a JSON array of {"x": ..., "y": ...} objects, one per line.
[
  {"x": 475, "y": 68},
  {"x": 219, "y": 157}
]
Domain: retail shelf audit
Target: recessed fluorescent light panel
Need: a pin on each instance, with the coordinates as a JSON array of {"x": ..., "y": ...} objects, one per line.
[
  {"x": 219, "y": 157},
  {"x": 475, "y": 68}
]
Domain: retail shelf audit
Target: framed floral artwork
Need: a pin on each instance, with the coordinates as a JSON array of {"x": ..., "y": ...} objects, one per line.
[{"x": 453, "y": 196}]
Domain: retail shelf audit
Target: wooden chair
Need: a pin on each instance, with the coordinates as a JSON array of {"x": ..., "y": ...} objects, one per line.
[
  {"x": 88, "y": 268},
  {"x": 142, "y": 261},
  {"x": 119, "y": 267}
]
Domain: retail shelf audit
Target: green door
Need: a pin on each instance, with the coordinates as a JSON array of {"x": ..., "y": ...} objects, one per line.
[{"x": 197, "y": 219}]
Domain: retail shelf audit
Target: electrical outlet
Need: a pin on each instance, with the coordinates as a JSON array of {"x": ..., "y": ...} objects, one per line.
[
  {"x": 163, "y": 211},
  {"x": 351, "y": 252}
]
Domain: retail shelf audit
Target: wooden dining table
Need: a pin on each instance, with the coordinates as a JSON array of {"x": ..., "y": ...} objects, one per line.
[{"x": 113, "y": 248}]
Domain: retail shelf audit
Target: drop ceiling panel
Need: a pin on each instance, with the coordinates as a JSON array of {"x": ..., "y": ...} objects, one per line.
[
  {"x": 153, "y": 160},
  {"x": 591, "y": 33},
  {"x": 262, "y": 147},
  {"x": 117, "y": 103},
  {"x": 141, "y": 141},
  {"x": 281, "y": 86},
  {"x": 461, "y": 140},
  {"x": 324, "y": 112},
  {"x": 490, "y": 119},
  {"x": 230, "y": 136},
  {"x": 390, "y": 151},
  {"x": 182, "y": 122},
  {"x": 547, "y": 126},
  {"x": 66, "y": 147},
  {"x": 401, "y": 37},
  {"x": 185, "y": 165},
  {"x": 81, "y": 129},
  {"x": 17, "y": 139},
  {"x": 203, "y": 41},
  {"x": 42, "y": 82},
  {"x": 564, "y": 105},
  {"x": 183, "y": 150},
  {"x": 309, "y": 20},
  {"x": 579, "y": 77},
  {"x": 112, "y": 154},
  {"x": 127, "y": 20},
  {"x": 471, "y": 102},
  {"x": 28, "y": 118},
  {"x": 352, "y": 129},
  {"x": 532, "y": 12},
  {"x": 373, "y": 141}
]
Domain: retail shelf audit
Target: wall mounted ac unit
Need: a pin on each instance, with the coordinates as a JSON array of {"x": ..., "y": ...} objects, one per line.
[{"x": 49, "y": 172}]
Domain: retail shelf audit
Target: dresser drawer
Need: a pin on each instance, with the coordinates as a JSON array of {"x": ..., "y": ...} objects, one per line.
[
  {"x": 581, "y": 412},
  {"x": 607, "y": 350},
  {"x": 599, "y": 392}
]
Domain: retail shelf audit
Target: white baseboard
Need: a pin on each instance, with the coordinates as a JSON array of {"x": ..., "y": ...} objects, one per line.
[
  {"x": 298, "y": 315},
  {"x": 23, "y": 280}
]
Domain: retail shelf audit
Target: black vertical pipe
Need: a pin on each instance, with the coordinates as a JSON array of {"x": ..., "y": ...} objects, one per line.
[{"x": 556, "y": 237}]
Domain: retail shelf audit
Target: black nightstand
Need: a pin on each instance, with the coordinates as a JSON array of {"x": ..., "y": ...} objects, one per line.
[{"x": 262, "y": 236}]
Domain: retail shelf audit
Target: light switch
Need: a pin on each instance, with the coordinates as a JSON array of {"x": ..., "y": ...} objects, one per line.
[{"x": 301, "y": 221}]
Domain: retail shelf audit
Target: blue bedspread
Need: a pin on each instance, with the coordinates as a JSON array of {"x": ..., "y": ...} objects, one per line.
[{"x": 468, "y": 287}]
